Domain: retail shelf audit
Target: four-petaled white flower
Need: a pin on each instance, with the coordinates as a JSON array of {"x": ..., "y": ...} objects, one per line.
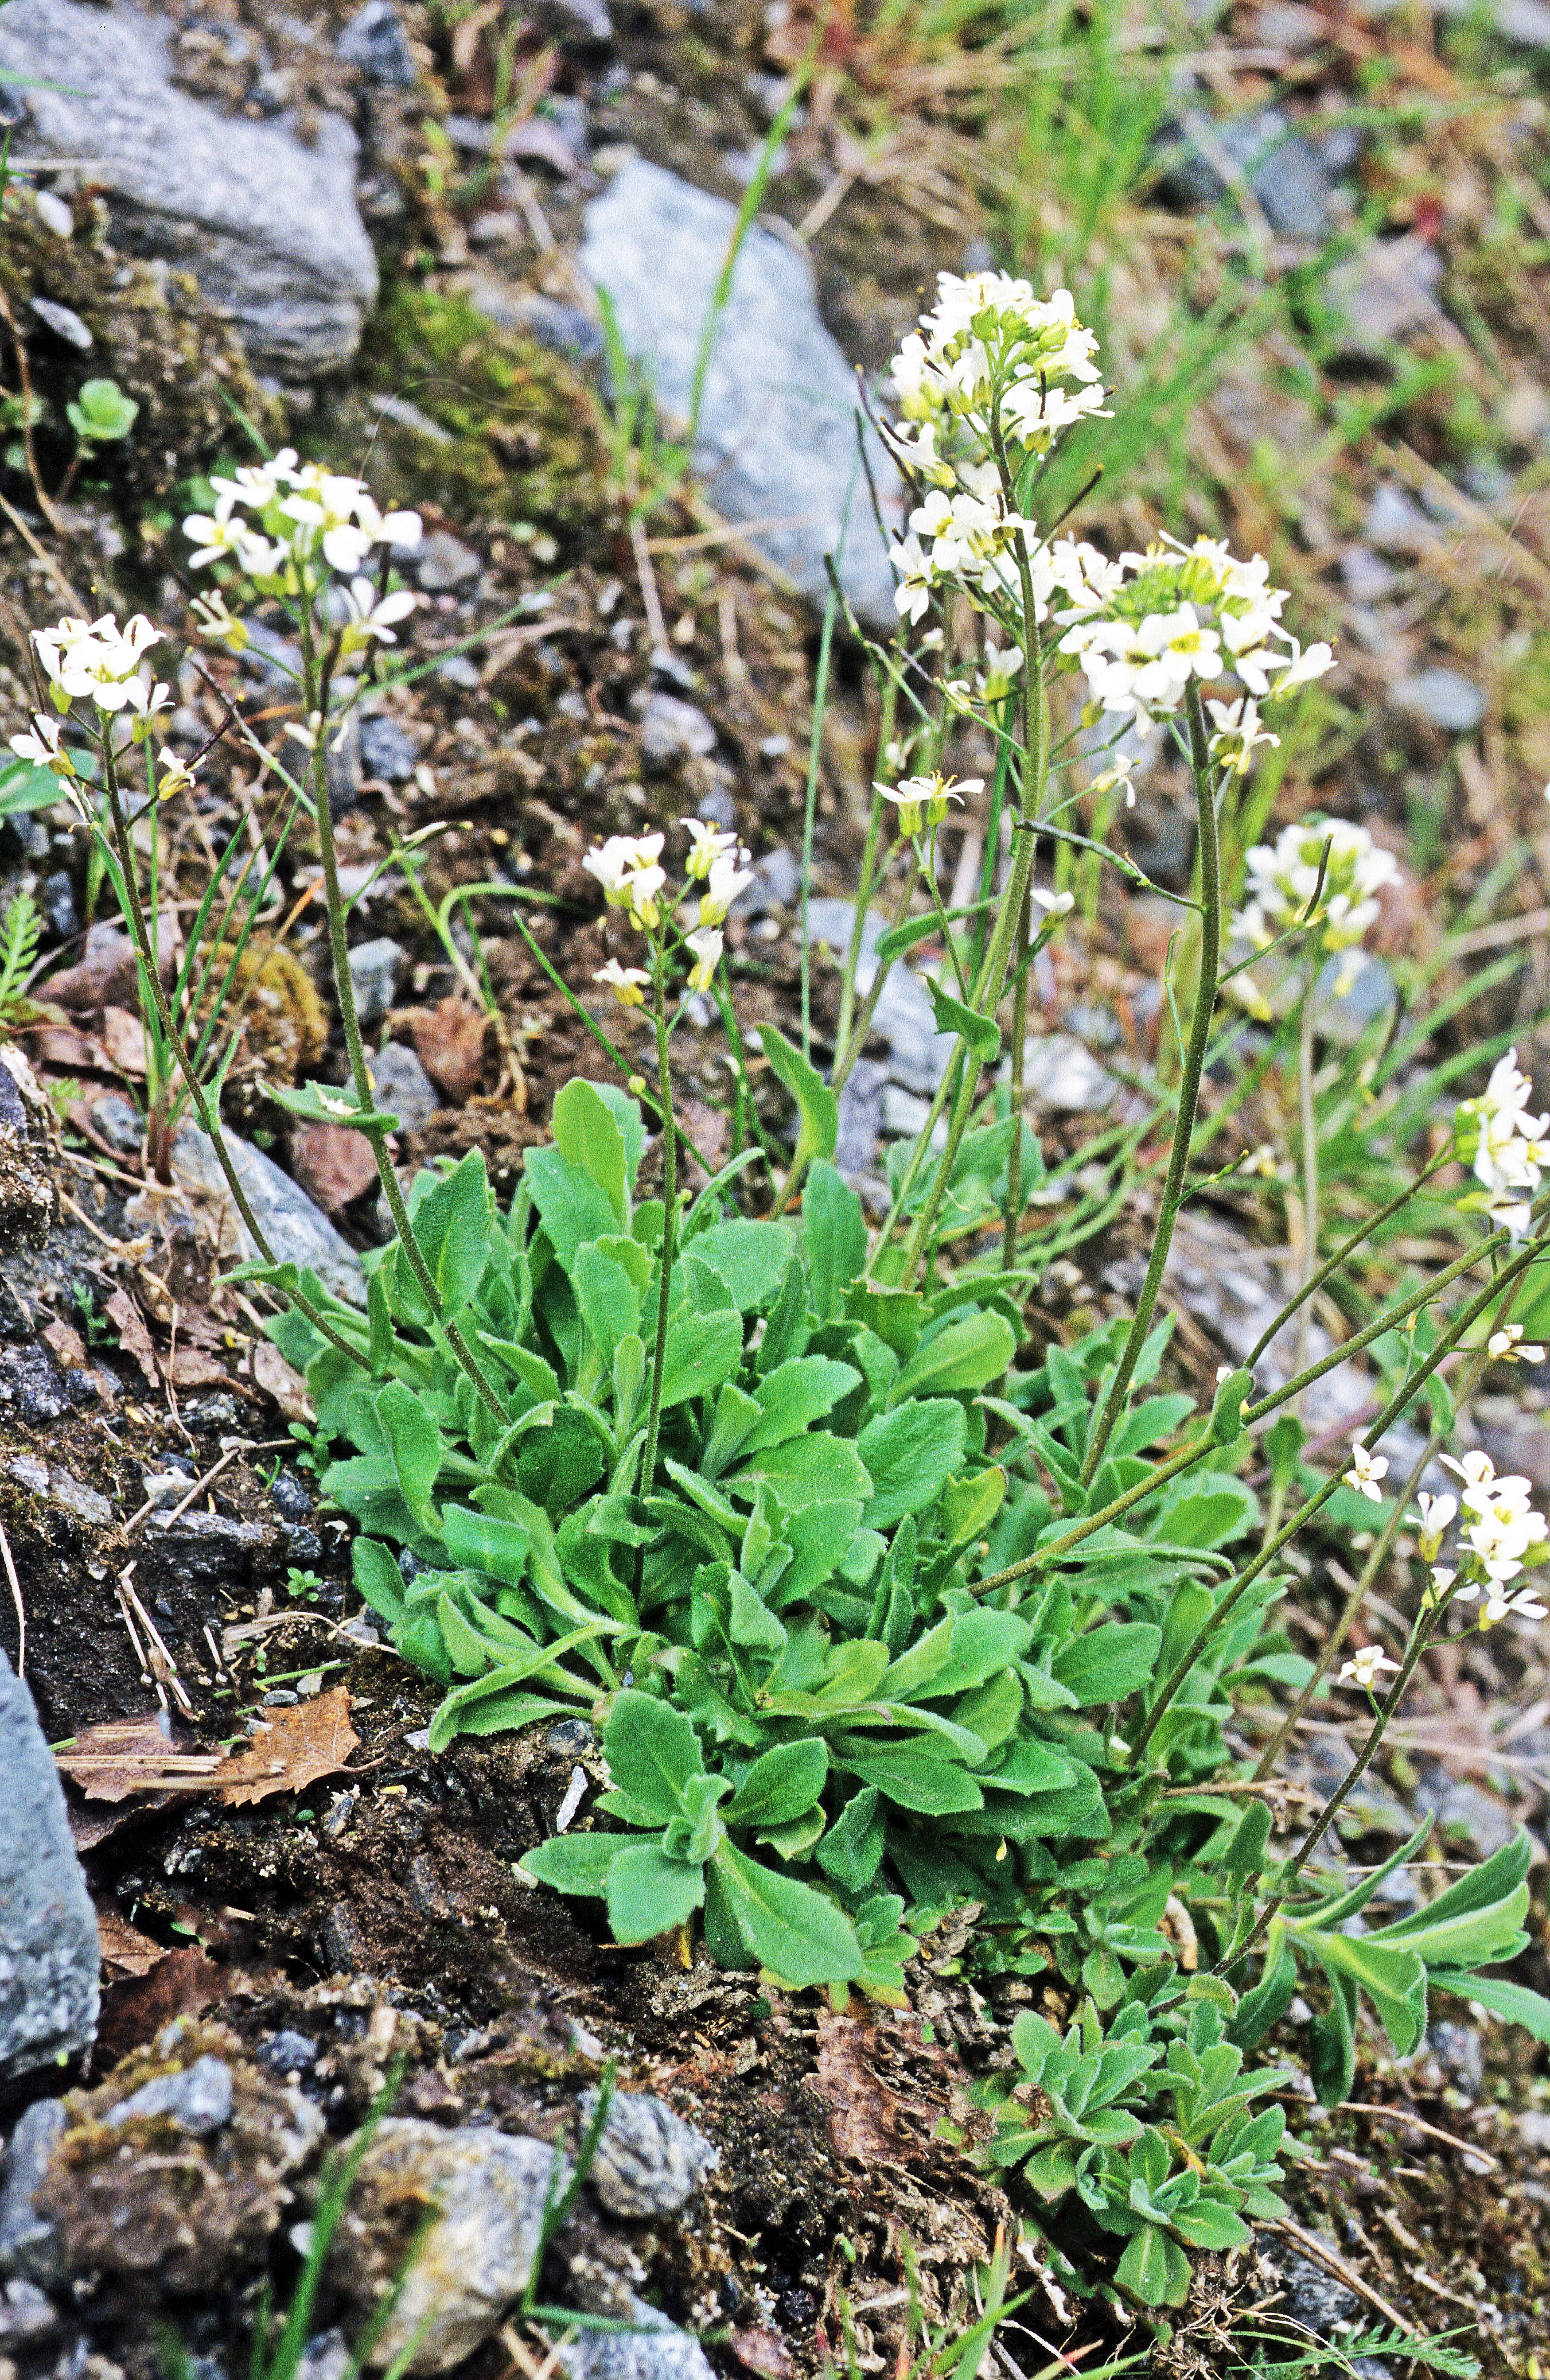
[
  {"x": 706, "y": 943},
  {"x": 95, "y": 660},
  {"x": 629, "y": 985},
  {"x": 1054, "y": 904},
  {"x": 216, "y": 622},
  {"x": 173, "y": 775},
  {"x": 1366, "y": 1472},
  {"x": 1365, "y": 1665},
  {"x": 370, "y": 614},
  {"x": 707, "y": 843},
  {"x": 1237, "y": 733},
  {"x": 730, "y": 873},
  {"x": 1508, "y": 1346},
  {"x": 922, "y": 801},
  {"x": 41, "y": 745}
]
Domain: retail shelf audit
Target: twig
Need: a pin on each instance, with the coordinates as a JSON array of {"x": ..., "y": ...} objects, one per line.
[
  {"x": 15, "y": 1598},
  {"x": 1332, "y": 2262},
  {"x": 647, "y": 577},
  {"x": 60, "y": 581},
  {"x": 24, "y": 373},
  {"x": 1416, "y": 2124},
  {"x": 163, "y": 1667}
]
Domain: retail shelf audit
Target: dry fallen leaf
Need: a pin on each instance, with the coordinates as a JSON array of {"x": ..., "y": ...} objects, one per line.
[
  {"x": 451, "y": 1041},
  {"x": 180, "y": 1984},
  {"x": 123, "y": 1037},
  {"x": 765, "y": 2351},
  {"x": 290, "y": 1751},
  {"x": 281, "y": 1381},
  {"x": 133, "y": 1336},
  {"x": 867, "y": 2120},
  {"x": 121, "y": 1756},
  {"x": 126, "y": 1951},
  {"x": 193, "y": 1367},
  {"x": 332, "y": 1162},
  {"x": 68, "y": 1347}
]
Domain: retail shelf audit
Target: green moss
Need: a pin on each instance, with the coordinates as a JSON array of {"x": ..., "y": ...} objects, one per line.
[{"x": 526, "y": 439}]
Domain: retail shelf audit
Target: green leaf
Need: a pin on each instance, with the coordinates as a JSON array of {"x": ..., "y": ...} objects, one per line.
[
  {"x": 494, "y": 1705},
  {"x": 702, "y": 1350},
  {"x": 1490, "y": 1891},
  {"x": 1214, "y": 1509},
  {"x": 648, "y": 1893},
  {"x": 852, "y": 1850},
  {"x": 910, "y": 1453},
  {"x": 797, "y": 1393},
  {"x": 962, "y": 1357},
  {"x": 577, "y": 1864},
  {"x": 653, "y": 1753},
  {"x": 1393, "y": 1980},
  {"x": 797, "y": 1934},
  {"x": 1206, "y": 2223},
  {"x": 324, "y": 1102},
  {"x": 815, "y": 1469},
  {"x": 817, "y": 1108},
  {"x": 981, "y": 1035},
  {"x": 477, "y": 1541},
  {"x": 916, "y": 1781},
  {"x": 571, "y": 1206},
  {"x": 609, "y": 1300},
  {"x": 1244, "y": 1856},
  {"x": 751, "y": 1259},
  {"x": 835, "y": 1230},
  {"x": 969, "y": 1506},
  {"x": 1154, "y": 2268},
  {"x": 1513, "y": 2002},
  {"x": 587, "y": 1135},
  {"x": 378, "y": 1577},
  {"x": 455, "y": 1222},
  {"x": 781, "y": 1786},
  {"x": 1110, "y": 1662},
  {"x": 1226, "y": 1411}
]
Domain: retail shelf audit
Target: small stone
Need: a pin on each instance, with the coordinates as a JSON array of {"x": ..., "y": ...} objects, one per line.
[
  {"x": 32, "y": 1380},
  {"x": 861, "y": 1118},
  {"x": 1315, "y": 2298},
  {"x": 1286, "y": 176},
  {"x": 202, "y": 1548},
  {"x": 290, "y": 1498},
  {"x": 476, "y": 2256},
  {"x": 777, "y": 880},
  {"x": 1442, "y": 698},
  {"x": 56, "y": 899},
  {"x": 1388, "y": 289},
  {"x": 25, "y": 2315},
  {"x": 1344, "y": 1015},
  {"x": 444, "y": 562},
  {"x": 387, "y": 750},
  {"x": 375, "y": 969},
  {"x": 65, "y": 323},
  {"x": 569, "y": 1736},
  {"x": 198, "y": 2100},
  {"x": 456, "y": 669},
  {"x": 49, "y": 1955},
  {"x": 343, "y": 769},
  {"x": 1533, "y": 2129},
  {"x": 77, "y": 1498},
  {"x": 1461, "y": 2052},
  {"x": 29, "y": 2242},
  {"x": 326, "y": 2356},
  {"x": 654, "y": 2350},
  {"x": 289, "y": 2053},
  {"x": 648, "y": 2160},
  {"x": 671, "y": 732},
  {"x": 53, "y": 213},
  {"x": 117, "y": 1121},
  {"x": 374, "y": 40},
  {"x": 563, "y": 328},
  {"x": 1396, "y": 523},
  {"x": 404, "y": 1087},
  {"x": 1366, "y": 578},
  {"x": 1063, "y": 1072},
  {"x": 297, "y": 1228}
]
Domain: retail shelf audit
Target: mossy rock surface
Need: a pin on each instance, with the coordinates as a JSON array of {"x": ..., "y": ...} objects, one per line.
[
  {"x": 153, "y": 333},
  {"x": 525, "y": 432}
]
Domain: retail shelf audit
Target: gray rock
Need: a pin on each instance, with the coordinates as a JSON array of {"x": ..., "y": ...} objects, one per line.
[
  {"x": 374, "y": 40},
  {"x": 289, "y": 2053},
  {"x": 119, "y": 1121},
  {"x": 387, "y": 751},
  {"x": 657, "y": 2350},
  {"x": 56, "y": 899},
  {"x": 1533, "y": 2129},
  {"x": 404, "y": 1087},
  {"x": 1366, "y": 578},
  {"x": 26, "y": 2315},
  {"x": 563, "y": 328},
  {"x": 1386, "y": 290},
  {"x": 477, "y": 2256},
  {"x": 376, "y": 969},
  {"x": 459, "y": 671},
  {"x": 1527, "y": 22},
  {"x": 65, "y": 1488},
  {"x": 1345, "y": 1015},
  {"x": 198, "y": 2100},
  {"x": 861, "y": 1118},
  {"x": 1467, "y": 1817},
  {"x": 1315, "y": 2298},
  {"x": 1062, "y": 1072},
  {"x": 49, "y": 1957},
  {"x": 1442, "y": 698},
  {"x": 269, "y": 227},
  {"x": 29, "y": 2242},
  {"x": 202, "y": 1548},
  {"x": 648, "y": 2160},
  {"x": 777, "y": 436},
  {"x": 1289, "y": 179},
  {"x": 32, "y": 1380},
  {"x": 1461, "y": 2052},
  {"x": 29, "y": 1195},
  {"x": 904, "y": 1015},
  {"x": 65, "y": 323},
  {"x": 298, "y": 1231},
  {"x": 343, "y": 769},
  {"x": 777, "y": 880},
  {"x": 672, "y": 731},
  {"x": 444, "y": 562}
]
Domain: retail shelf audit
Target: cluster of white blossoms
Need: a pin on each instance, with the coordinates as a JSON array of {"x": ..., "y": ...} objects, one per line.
[
  {"x": 629, "y": 868},
  {"x": 1500, "y": 1534},
  {"x": 1507, "y": 1147},
  {"x": 275, "y": 518},
  {"x": 99, "y": 662},
  {"x": 1328, "y": 856},
  {"x": 989, "y": 343}
]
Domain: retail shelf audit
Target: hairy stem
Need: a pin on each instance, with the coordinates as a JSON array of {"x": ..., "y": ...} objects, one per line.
[
  {"x": 1310, "y": 1129},
  {"x": 1022, "y": 971},
  {"x": 669, "y": 1218}
]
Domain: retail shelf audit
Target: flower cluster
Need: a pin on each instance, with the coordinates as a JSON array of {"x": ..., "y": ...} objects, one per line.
[
  {"x": 1145, "y": 625},
  {"x": 273, "y": 518},
  {"x": 1500, "y": 1533},
  {"x": 1338, "y": 862},
  {"x": 1507, "y": 1147},
  {"x": 100, "y": 663},
  {"x": 989, "y": 345},
  {"x": 629, "y": 868},
  {"x": 922, "y": 801}
]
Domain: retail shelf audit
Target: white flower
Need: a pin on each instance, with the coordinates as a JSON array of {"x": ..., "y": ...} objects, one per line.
[
  {"x": 1364, "y": 1668},
  {"x": 1303, "y": 667},
  {"x": 1507, "y": 1346},
  {"x": 1443, "y": 1579},
  {"x": 706, "y": 844},
  {"x": 916, "y": 578},
  {"x": 217, "y": 622},
  {"x": 619, "y": 861},
  {"x": 1477, "y": 1470},
  {"x": 214, "y": 536},
  {"x": 1261, "y": 1160},
  {"x": 1054, "y": 904},
  {"x": 95, "y": 660},
  {"x": 922, "y": 801},
  {"x": 1238, "y": 732},
  {"x": 728, "y": 875},
  {"x": 1437, "y": 1516},
  {"x": 1329, "y": 857},
  {"x": 173, "y": 775},
  {"x": 1366, "y": 1472},
  {"x": 147, "y": 701},
  {"x": 706, "y": 943},
  {"x": 43, "y": 746},
  {"x": 629, "y": 985},
  {"x": 369, "y": 615}
]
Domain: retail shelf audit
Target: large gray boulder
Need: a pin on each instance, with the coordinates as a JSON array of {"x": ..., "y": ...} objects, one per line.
[
  {"x": 49, "y": 1956},
  {"x": 268, "y": 226},
  {"x": 776, "y": 438},
  {"x": 298, "y": 1231}
]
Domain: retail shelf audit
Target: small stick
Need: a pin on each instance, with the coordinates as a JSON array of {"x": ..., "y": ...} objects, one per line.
[
  {"x": 15, "y": 1598},
  {"x": 647, "y": 578},
  {"x": 244, "y": 1445},
  {"x": 139, "y": 1654},
  {"x": 162, "y": 1663},
  {"x": 1332, "y": 2262},
  {"x": 1416, "y": 2124},
  {"x": 215, "y": 1655}
]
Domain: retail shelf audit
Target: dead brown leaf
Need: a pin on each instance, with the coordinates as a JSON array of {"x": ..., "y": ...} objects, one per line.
[
  {"x": 126, "y": 1951},
  {"x": 290, "y": 1751},
  {"x": 867, "y": 2120},
  {"x": 452, "y": 1042},
  {"x": 133, "y": 1336},
  {"x": 134, "y": 2012},
  {"x": 120, "y": 1756},
  {"x": 123, "y": 1037},
  {"x": 193, "y": 1367},
  {"x": 765, "y": 2351},
  {"x": 67, "y": 1345},
  {"x": 281, "y": 1381},
  {"x": 332, "y": 1162}
]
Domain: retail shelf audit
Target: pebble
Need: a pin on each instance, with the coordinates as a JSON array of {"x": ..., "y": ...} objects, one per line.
[
  {"x": 444, "y": 562},
  {"x": 29, "y": 2242},
  {"x": 374, "y": 40},
  {"x": 1315, "y": 2298},
  {"x": 1533, "y": 2127},
  {"x": 1461, "y": 2052},
  {"x": 1387, "y": 290},
  {"x": 1288, "y": 177},
  {"x": 477, "y": 2256},
  {"x": 1062, "y": 1072},
  {"x": 296, "y": 1228},
  {"x": 1366, "y": 578},
  {"x": 49, "y": 1956},
  {"x": 648, "y": 2160},
  {"x": 672, "y": 732},
  {"x": 375, "y": 970},
  {"x": 57, "y": 898},
  {"x": 289, "y": 2053},
  {"x": 456, "y": 669},
  {"x": 202, "y": 1548},
  {"x": 777, "y": 883},
  {"x": 655, "y": 2351},
  {"x": 1442, "y": 698},
  {"x": 117, "y": 1119},
  {"x": 1395, "y": 522},
  {"x": 402, "y": 1085},
  {"x": 53, "y": 213},
  {"x": 32, "y": 1380},
  {"x": 387, "y": 750},
  {"x": 861, "y": 1118},
  {"x": 198, "y": 2099},
  {"x": 65, "y": 323},
  {"x": 918, "y": 1053}
]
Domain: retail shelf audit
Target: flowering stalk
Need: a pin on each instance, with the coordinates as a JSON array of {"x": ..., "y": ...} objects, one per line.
[
  {"x": 669, "y": 1217},
  {"x": 1310, "y": 1128},
  {"x": 1189, "y": 1085}
]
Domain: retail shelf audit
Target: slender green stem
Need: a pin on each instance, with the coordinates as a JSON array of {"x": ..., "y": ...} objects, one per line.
[
  {"x": 1189, "y": 1086},
  {"x": 669, "y": 1220},
  {"x": 810, "y": 803},
  {"x": 850, "y": 1051},
  {"x": 887, "y": 706},
  {"x": 1092, "y": 1522},
  {"x": 1403, "y": 1396},
  {"x": 210, "y": 1122},
  {"x": 917, "y": 1155},
  {"x": 1310, "y": 1130},
  {"x": 1332, "y": 1263},
  {"x": 1021, "y": 973}
]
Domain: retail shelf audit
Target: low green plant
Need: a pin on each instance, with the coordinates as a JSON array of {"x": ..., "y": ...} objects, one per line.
[
  {"x": 101, "y": 415},
  {"x": 20, "y": 932}
]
